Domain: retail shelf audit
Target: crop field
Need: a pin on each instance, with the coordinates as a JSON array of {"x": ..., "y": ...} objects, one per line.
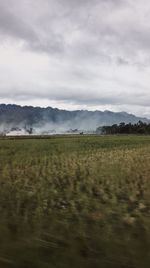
[{"x": 75, "y": 202}]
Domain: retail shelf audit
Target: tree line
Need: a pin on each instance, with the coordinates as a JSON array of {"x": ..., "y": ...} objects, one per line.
[{"x": 122, "y": 128}]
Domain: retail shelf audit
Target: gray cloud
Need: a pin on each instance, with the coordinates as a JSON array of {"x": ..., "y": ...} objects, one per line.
[
  {"x": 12, "y": 25},
  {"x": 101, "y": 28},
  {"x": 79, "y": 52}
]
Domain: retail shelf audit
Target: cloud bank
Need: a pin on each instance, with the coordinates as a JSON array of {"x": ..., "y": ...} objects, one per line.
[{"x": 76, "y": 54}]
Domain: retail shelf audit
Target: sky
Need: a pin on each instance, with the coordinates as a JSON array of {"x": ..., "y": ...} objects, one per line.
[{"x": 76, "y": 54}]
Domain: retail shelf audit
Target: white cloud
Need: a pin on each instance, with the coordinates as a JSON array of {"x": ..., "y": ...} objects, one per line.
[{"x": 76, "y": 54}]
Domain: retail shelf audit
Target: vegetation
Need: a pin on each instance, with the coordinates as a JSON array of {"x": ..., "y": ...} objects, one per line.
[
  {"x": 122, "y": 128},
  {"x": 75, "y": 201},
  {"x": 52, "y": 120}
]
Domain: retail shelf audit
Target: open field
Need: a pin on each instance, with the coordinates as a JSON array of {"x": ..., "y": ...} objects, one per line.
[{"x": 75, "y": 201}]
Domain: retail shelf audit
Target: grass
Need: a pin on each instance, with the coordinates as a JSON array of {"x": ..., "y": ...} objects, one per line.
[{"x": 75, "y": 201}]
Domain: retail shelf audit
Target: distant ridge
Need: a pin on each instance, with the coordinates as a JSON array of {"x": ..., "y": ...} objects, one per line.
[{"x": 54, "y": 120}]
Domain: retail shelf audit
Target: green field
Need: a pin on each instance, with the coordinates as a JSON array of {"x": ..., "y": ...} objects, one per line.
[{"x": 75, "y": 202}]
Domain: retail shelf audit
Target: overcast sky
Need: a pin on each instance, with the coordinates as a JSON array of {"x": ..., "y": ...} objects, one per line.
[{"x": 76, "y": 54}]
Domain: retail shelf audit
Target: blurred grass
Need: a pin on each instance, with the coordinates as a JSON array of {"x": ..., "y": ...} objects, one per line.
[{"x": 75, "y": 201}]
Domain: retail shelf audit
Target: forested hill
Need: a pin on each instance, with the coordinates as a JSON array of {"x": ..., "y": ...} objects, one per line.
[{"x": 47, "y": 119}]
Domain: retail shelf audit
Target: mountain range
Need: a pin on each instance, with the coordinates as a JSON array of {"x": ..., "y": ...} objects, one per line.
[{"x": 37, "y": 120}]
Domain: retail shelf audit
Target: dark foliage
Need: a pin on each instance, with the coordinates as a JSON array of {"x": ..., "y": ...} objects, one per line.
[{"x": 122, "y": 128}]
